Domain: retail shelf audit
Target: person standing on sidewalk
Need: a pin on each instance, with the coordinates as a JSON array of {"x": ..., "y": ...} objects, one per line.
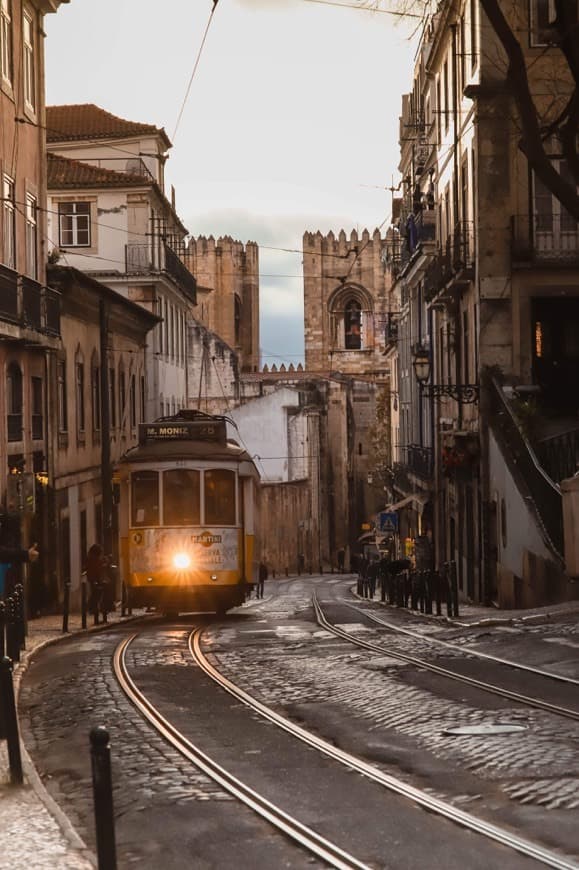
[
  {"x": 341, "y": 555},
  {"x": 262, "y": 577}
]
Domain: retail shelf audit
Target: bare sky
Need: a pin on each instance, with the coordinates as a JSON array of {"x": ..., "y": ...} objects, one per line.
[{"x": 291, "y": 123}]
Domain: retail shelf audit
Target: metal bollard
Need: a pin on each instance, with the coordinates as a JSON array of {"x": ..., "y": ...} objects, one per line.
[
  {"x": 12, "y": 640},
  {"x": 100, "y": 752},
  {"x": 83, "y": 603},
  {"x": 20, "y": 617},
  {"x": 10, "y": 721},
  {"x": 454, "y": 587},
  {"x": 2, "y": 629},
  {"x": 66, "y": 607},
  {"x": 438, "y": 588}
]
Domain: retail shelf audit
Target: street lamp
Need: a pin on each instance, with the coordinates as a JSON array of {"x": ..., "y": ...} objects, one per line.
[{"x": 421, "y": 363}]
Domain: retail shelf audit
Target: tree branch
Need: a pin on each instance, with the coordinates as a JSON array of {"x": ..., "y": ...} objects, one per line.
[{"x": 532, "y": 144}]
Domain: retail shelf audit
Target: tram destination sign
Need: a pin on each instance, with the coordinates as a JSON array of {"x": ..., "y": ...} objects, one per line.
[{"x": 183, "y": 430}]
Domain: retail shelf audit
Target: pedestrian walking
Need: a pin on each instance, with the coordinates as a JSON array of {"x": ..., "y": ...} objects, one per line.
[
  {"x": 371, "y": 576},
  {"x": 341, "y": 555},
  {"x": 262, "y": 577},
  {"x": 96, "y": 565}
]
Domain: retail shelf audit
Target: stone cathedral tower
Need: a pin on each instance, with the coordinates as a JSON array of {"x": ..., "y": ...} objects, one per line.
[
  {"x": 346, "y": 299},
  {"x": 227, "y": 273},
  {"x": 346, "y": 292}
]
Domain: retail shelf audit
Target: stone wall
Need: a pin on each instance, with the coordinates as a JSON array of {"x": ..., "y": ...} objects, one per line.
[{"x": 226, "y": 271}]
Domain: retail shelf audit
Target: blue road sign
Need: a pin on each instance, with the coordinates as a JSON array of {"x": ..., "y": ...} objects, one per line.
[{"x": 388, "y": 521}]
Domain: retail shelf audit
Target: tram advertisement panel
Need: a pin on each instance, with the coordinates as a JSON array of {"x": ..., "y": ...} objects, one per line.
[{"x": 209, "y": 549}]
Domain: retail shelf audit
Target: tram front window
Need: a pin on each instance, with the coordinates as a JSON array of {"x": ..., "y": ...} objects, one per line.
[
  {"x": 220, "y": 497},
  {"x": 145, "y": 498},
  {"x": 181, "y": 497}
]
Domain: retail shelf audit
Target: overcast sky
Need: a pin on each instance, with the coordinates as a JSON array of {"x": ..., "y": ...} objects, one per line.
[{"x": 291, "y": 123}]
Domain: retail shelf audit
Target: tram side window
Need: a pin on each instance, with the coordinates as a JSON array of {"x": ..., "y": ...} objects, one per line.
[
  {"x": 145, "y": 498},
  {"x": 181, "y": 497},
  {"x": 220, "y": 497}
]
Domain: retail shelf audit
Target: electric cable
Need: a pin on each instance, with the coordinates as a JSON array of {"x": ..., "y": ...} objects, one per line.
[{"x": 195, "y": 65}]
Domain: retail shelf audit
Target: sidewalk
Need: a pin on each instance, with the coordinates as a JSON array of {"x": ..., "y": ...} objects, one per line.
[
  {"x": 34, "y": 833},
  {"x": 478, "y": 616}
]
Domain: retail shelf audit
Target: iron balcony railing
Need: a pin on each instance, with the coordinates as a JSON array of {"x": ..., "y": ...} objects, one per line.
[
  {"x": 413, "y": 232},
  {"x": 412, "y": 459},
  {"x": 32, "y": 303},
  {"x": 159, "y": 256},
  {"x": 551, "y": 238},
  {"x": 28, "y": 304},
  {"x": 8, "y": 294},
  {"x": 559, "y": 455},
  {"x": 525, "y": 467},
  {"x": 454, "y": 258}
]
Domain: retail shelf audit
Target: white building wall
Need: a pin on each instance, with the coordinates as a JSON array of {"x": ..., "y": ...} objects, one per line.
[
  {"x": 522, "y": 530},
  {"x": 263, "y": 430}
]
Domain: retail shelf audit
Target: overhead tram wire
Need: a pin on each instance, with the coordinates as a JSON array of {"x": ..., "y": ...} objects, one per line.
[{"x": 195, "y": 65}]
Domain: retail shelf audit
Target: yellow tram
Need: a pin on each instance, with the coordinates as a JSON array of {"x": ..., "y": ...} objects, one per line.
[{"x": 188, "y": 515}]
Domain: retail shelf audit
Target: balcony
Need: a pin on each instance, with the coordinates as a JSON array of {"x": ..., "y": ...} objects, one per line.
[
  {"x": 8, "y": 294},
  {"x": 27, "y": 305},
  {"x": 158, "y": 256},
  {"x": 32, "y": 303},
  {"x": 547, "y": 239},
  {"x": 416, "y": 461},
  {"x": 453, "y": 263},
  {"x": 415, "y": 232}
]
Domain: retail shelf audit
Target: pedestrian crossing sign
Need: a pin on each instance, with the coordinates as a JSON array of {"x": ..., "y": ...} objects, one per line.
[{"x": 388, "y": 521}]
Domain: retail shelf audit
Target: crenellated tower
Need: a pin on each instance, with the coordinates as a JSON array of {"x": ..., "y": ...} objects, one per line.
[
  {"x": 227, "y": 273},
  {"x": 346, "y": 297}
]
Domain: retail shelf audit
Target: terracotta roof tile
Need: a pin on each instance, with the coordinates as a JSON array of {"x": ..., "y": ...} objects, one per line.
[
  {"x": 87, "y": 121},
  {"x": 63, "y": 172}
]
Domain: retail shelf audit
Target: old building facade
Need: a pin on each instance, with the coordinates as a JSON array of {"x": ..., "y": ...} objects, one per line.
[
  {"x": 346, "y": 309},
  {"x": 485, "y": 264},
  {"x": 29, "y": 309},
  {"x": 108, "y": 216},
  {"x": 227, "y": 273},
  {"x": 100, "y": 378}
]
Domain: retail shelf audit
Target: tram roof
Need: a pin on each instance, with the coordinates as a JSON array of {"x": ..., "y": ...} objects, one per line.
[{"x": 159, "y": 451}]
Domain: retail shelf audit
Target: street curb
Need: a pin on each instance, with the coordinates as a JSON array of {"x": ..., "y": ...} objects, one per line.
[
  {"x": 486, "y": 622},
  {"x": 32, "y": 776}
]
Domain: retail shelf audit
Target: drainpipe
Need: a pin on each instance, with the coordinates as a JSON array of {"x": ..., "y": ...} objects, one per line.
[
  {"x": 106, "y": 476},
  {"x": 455, "y": 206}
]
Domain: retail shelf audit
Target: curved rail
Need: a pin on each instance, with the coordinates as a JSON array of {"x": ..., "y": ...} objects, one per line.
[
  {"x": 444, "y": 672},
  {"x": 481, "y": 655},
  {"x": 304, "y": 836},
  {"x": 421, "y": 798}
]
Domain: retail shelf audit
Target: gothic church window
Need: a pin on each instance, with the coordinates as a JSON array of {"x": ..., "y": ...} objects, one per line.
[{"x": 353, "y": 325}]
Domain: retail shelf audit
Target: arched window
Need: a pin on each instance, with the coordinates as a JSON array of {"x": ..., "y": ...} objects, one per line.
[
  {"x": 353, "y": 325},
  {"x": 14, "y": 401}
]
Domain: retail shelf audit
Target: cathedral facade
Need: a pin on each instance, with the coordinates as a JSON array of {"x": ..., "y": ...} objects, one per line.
[{"x": 346, "y": 307}]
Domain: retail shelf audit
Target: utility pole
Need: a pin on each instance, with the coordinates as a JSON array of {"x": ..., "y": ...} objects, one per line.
[{"x": 106, "y": 476}]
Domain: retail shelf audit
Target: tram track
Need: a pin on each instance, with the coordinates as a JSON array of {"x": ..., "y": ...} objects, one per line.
[
  {"x": 482, "y": 685},
  {"x": 422, "y": 799},
  {"x": 520, "y": 666},
  {"x": 305, "y": 837}
]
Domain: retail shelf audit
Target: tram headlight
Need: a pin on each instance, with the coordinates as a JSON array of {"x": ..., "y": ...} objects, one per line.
[{"x": 181, "y": 561}]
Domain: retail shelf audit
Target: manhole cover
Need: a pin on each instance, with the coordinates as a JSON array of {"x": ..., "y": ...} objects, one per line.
[{"x": 483, "y": 730}]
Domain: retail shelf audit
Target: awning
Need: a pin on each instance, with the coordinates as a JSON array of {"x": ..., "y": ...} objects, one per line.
[{"x": 418, "y": 500}]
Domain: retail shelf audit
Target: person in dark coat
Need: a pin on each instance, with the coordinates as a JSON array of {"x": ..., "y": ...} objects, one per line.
[
  {"x": 262, "y": 577},
  {"x": 10, "y": 555},
  {"x": 96, "y": 565},
  {"x": 341, "y": 555},
  {"x": 371, "y": 577}
]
